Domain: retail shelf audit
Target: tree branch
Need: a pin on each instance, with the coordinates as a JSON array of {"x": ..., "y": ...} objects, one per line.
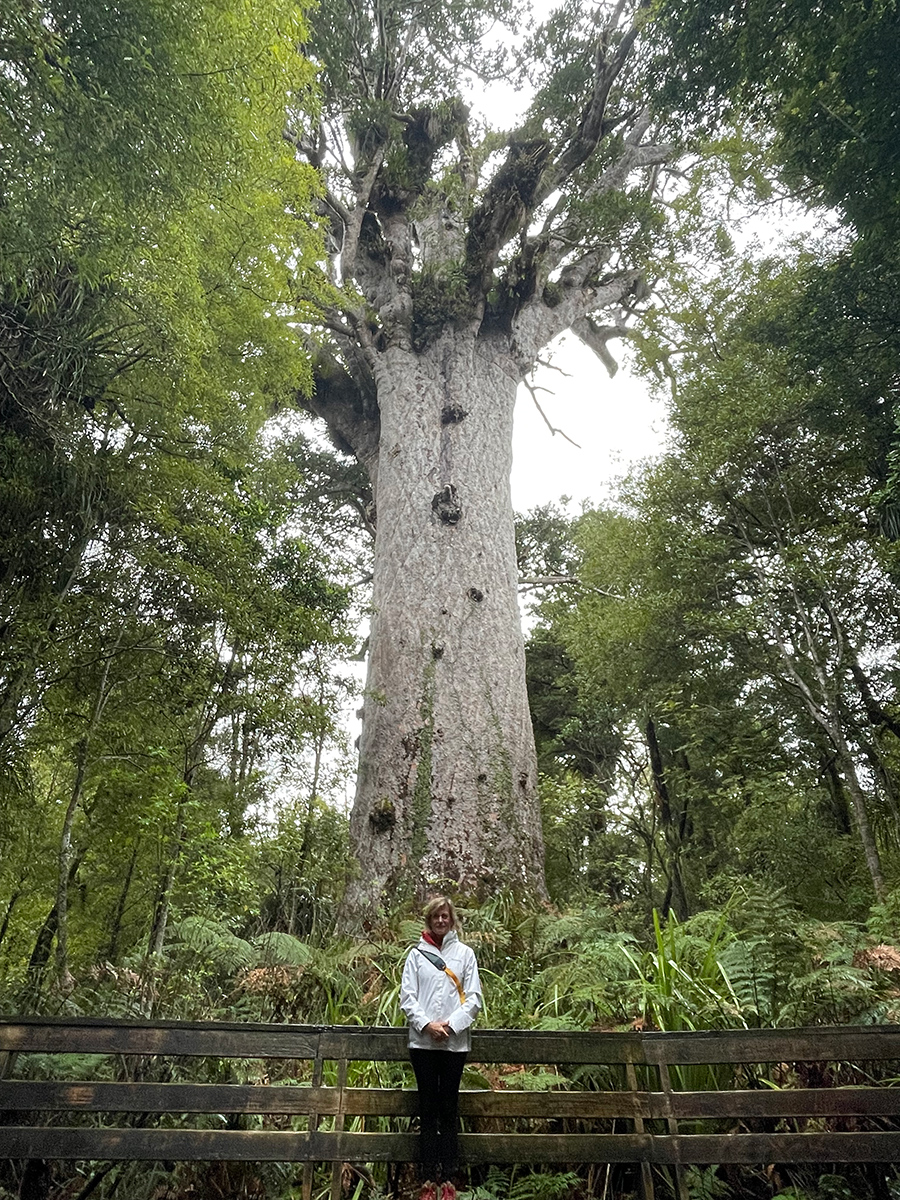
[
  {"x": 592, "y": 126},
  {"x": 553, "y": 430},
  {"x": 538, "y": 322}
]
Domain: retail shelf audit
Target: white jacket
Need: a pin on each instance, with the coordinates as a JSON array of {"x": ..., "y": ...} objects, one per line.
[{"x": 428, "y": 994}]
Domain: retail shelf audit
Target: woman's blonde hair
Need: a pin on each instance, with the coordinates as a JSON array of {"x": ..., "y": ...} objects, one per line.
[{"x": 434, "y": 904}]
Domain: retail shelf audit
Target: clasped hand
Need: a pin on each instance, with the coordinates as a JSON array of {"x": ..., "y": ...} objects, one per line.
[{"x": 439, "y": 1031}]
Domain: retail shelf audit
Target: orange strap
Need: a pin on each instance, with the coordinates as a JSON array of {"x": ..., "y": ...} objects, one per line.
[
  {"x": 437, "y": 961},
  {"x": 459, "y": 987}
]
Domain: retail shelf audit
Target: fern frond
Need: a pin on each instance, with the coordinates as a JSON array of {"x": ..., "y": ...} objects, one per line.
[
  {"x": 281, "y": 950},
  {"x": 213, "y": 942}
]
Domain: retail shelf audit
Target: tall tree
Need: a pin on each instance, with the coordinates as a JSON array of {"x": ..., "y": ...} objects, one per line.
[
  {"x": 457, "y": 255},
  {"x": 149, "y": 208},
  {"x": 155, "y": 581},
  {"x": 818, "y": 87},
  {"x": 766, "y": 580}
]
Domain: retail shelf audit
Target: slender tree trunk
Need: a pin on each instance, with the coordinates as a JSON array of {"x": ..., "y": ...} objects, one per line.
[
  {"x": 446, "y": 794},
  {"x": 834, "y": 785},
  {"x": 115, "y": 933},
  {"x": 816, "y": 673},
  {"x": 11, "y": 904},
  {"x": 193, "y": 756},
  {"x": 167, "y": 883},
  {"x": 860, "y": 812},
  {"x": 30, "y": 994},
  {"x": 64, "y": 977},
  {"x": 876, "y": 713},
  {"x": 672, "y": 831}
]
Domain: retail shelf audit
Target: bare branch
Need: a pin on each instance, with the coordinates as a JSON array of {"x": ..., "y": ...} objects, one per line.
[
  {"x": 553, "y": 430},
  {"x": 592, "y": 126},
  {"x": 528, "y": 583},
  {"x": 538, "y": 323}
]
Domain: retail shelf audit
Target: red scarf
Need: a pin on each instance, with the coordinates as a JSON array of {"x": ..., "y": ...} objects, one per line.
[{"x": 428, "y": 936}]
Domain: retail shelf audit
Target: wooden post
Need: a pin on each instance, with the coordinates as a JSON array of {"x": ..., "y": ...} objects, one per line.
[
  {"x": 646, "y": 1173},
  {"x": 309, "y": 1167},
  {"x": 336, "y": 1167},
  {"x": 672, "y": 1124}
]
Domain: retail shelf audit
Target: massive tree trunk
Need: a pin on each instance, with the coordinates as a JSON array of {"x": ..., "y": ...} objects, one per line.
[
  {"x": 450, "y": 270},
  {"x": 446, "y": 792}
]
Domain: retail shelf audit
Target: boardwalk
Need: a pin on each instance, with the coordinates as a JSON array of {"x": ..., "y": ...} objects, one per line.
[{"x": 732, "y": 1096}]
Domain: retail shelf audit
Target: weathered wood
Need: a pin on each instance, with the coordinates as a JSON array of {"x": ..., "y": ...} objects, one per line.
[
  {"x": 23, "y": 1036},
  {"x": 773, "y": 1045},
  {"x": 336, "y": 1169},
  {"x": 203, "y": 1039},
  {"x": 309, "y": 1168},
  {"x": 777, "y": 1148},
  {"x": 166, "y": 1097},
  {"x": 227, "y": 1039},
  {"x": 361, "y": 1044},
  {"x": 665, "y": 1084},
  {"x": 302, "y": 1100},
  {"x": 784, "y": 1102},
  {"x": 638, "y": 1126},
  {"x": 523, "y": 1148},
  {"x": 527, "y": 1046}
]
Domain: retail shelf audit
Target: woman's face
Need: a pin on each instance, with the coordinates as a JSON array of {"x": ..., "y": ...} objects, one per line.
[{"x": 440, "y": 921}]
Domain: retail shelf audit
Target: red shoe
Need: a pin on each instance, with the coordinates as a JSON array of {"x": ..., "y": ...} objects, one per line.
[
  {"x": 428, "y": 1192},
  {"x": 448, "y": 1191}
]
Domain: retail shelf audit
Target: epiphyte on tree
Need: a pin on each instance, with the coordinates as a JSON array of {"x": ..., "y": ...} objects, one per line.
[
  {"x": 383, "y": 816},
  {"x": 446, "y": 506}
]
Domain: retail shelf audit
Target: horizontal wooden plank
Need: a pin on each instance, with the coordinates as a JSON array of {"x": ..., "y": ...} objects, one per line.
[
  {"x": 774, "y": 1045},
  {"x": 777, "y": 1148},
  {"x": 538, "y": 1046},
  {"x": 199, "y": 1040},
  {"x": 377, "y": 1043},
  {"x": 26, "y": 1096},
  {"x": 166, "y": 1098},
  {"x": 782, "y": 1102},
  {"x": 181, "y": 1145},
  {"x": 214, "y": 1145},
  {"x": 229, "y": 1039}
]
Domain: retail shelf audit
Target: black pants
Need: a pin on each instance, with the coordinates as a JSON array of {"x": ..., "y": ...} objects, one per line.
[{"x": 438, "y": 1074}]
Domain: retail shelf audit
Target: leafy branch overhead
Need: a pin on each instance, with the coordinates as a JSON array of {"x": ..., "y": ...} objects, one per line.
[{"x": 435, "y": 221}]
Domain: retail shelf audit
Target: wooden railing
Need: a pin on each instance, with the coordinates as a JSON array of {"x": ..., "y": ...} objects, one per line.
[{"x": 654, "y": 1098}]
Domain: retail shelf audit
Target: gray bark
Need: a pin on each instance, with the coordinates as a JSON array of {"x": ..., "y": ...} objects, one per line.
[{"x": 446, "y": 792}]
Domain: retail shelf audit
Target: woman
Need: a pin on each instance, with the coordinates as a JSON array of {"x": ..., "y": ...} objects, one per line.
[{"x": 441, "y": 996}]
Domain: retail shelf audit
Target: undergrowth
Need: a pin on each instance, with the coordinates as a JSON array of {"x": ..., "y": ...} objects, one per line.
[{"x": 753, "y": 963}]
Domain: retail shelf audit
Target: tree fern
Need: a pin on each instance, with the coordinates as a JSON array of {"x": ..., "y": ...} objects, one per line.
[
  {"x": 282, "y": 950},
  {"x": 213, "y": 942},
  {"x": 766, "y": 953}
]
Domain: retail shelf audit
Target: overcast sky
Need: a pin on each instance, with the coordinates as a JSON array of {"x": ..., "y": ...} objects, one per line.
[{"x": 614, "y": 421}]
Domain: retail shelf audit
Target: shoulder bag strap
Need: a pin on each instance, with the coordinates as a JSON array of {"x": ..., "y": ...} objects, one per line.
[{"x": 437, "y": 961}]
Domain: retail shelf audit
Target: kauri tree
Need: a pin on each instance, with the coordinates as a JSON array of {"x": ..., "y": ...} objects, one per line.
[{"x": 457, "y": 255}]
